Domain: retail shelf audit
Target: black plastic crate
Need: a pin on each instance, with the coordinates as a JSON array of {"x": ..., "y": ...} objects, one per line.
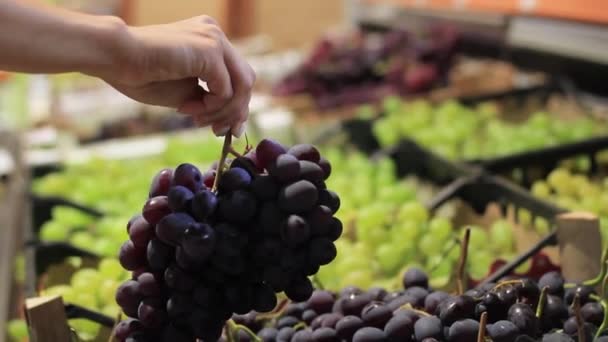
[
  {"x": 475, "y": 187},
  {"x": 544, "y": 160}
]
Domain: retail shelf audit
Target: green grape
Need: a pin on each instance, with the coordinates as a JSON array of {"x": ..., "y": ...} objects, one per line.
[
  {"x": 365, "y": 112},
  {"x": 413, "y": 211},
  {"x": 389, "y": 257},
  {"x": 17, "y": 330},
  {"x": 541, "y": 189},
  {"x": 479, "y": 263},
  {"x": 478, "y": 238},
  {"x": 105, "y": 247},
  {"x": 440, "y": 228},
  {"x": 111, "y": 269},
  {"x": 54, "y": 231},
  {"x": 429, "y": 245},
  {"x": 19, "y": 268},
  {"x": 111, "y": 310},
  {"x": 501, "y": 236},
  {"x": 71, "y": 217},
  {"x": 524, "y": 216},
  {"x": 107, "y": 289},
  {"x": 82, "y": 240},
  {"x": 85, "y": 329},
  {"x": 85, "y": 278}
]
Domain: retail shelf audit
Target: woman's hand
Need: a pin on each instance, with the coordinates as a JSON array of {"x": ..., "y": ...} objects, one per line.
[
  {"x": 162, "y": 65},
  {"x": 159, "y": 65}
]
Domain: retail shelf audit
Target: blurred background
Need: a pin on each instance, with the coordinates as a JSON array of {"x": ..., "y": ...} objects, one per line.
[{"x": 514, "y": 87}]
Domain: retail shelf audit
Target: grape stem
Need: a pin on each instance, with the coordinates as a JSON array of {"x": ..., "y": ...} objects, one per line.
[
  {"x": 481, "y": 335},
  {"x": 409, "y": 306},
  {"x": 507, "y": 282},
  {"x": 601, "y": 276},
  {"x": 464, "y": 247},
  {"x": 604, "y": 324},
  {"x": 233, "y": 329},
  {"x": 541, "y": 302},
  {"x": 234, "y": 152},
  {"x": 220, "y": 166},
  {"x": 579, "y": 318},
  {"x": 277, "y": 311},
  {"x": 301, "y": 325},
  {"x": 317, "y": 282}
]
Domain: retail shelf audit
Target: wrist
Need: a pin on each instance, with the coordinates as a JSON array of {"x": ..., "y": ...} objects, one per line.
[{"x": 111, "y": 38}]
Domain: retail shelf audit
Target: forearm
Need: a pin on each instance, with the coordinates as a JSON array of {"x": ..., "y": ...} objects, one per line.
[{"x": 42, "y": 39}]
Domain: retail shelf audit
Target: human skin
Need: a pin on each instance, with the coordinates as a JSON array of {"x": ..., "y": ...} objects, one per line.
[{"x": 157, "y": 65}]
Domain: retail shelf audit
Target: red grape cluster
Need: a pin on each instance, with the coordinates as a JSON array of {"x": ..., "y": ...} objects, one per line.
[{"x": 200, "y": 254}]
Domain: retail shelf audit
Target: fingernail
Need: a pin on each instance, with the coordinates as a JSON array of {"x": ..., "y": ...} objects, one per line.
[
  {"x": 240, "y": 129},
  {"x": 222, "y": 131}
]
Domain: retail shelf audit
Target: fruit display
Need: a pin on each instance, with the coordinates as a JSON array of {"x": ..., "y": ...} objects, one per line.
[
  {"x": 208, "y": 245},
  {"x": 575, "y": 191},
  {"x": 363, "y": 67},
  {"x": 514, "y": 309},
  {"x": 387, "y": 228},
  {"x": 459, "y": 132}
]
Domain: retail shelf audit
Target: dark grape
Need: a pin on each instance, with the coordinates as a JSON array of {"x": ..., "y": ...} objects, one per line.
[
  {"x": 159, "y": 255},
  {"x": 298, "y": 197},
  {"x": 203, "y": 204},
  {"x": 295, "y": 231},
  {"x": 179, "y": 305},
  {"x": 198, "y": 241},
  {"x": 172, "y": 227},
  {"x": 502, "y": 331},
  {"x": 287, "y": 321},
  {"x": 131, "y": 257},
  {"x": 321, "y": 301},
  {"x": 557, "y": 337},
  {"x": 178, "y": 279},
  {"x": 271, "y": 218},
  {"x": 592, "y": 312},
  {"x": 347, "y": 326},
  {"x": 399, "y": 329},
  {"x": 376, "y": 314},
  {"x": 267, "y": 152},
  {"x": 264, "y": 299},
  {"x": 377, "y": 293},
  {"x": 268, "y": 334},
  {"x": 464, "y": 331},
  {"x": 305, "y": 152},
  {"x": 350, "y": 291},
  {"x": 234, "y": 179},
  {"x": 161, "y": 183},
  {"x": 415, "y": 277},
  {"x": 322, "y": 251},
  {"x": 554, "y": 283},
  {"x": 267, "y": 251},
  {"x": 265, "y": 188},
  {"x": 369, "y": 334},
  {"x": 285, "y": 169},
  {"x": 238, "y": 206},
  {"x": 354, "y": 304},
  {"x": 155, "y": 209},
  {"x": 304, "y": 335},
  {"x": 189, "y": 176},
  {"x": 308, "y": 316},
  {"x": 326, "y": 167},
  {"x": 140, "y": 232},
  {"x": 428, "y": 327},
  {"x": 179, "y": 198},
  {"x": 583, "y": 292},
  {"x": 431, "y": 302},
  {"x": 329, "y": 199},
  {"x": 173, "y": 334},
  {"x": 311, "y": 171},
  {"x": 555, "y": 313},
  {"x": 128, "y": 297},
  {"x": 457, "y": 308},
  {"x": 495, "y": 308},
  {"x": 285, "y": 334},
  {"x": 209, "y": 178},
  {"x": 125, "y": 328},
  {"x": 148, "y": 285},
  {"x": 299, "y": 289},
  {"x": 335, "y": 229},
  {"x": 151, "y": 313},
  {"x": 524, "y": 318},
  {"x": 325, "y": 334},
  {"x": 528, "y": 292},
  {"x": 418, "y": 294},
  {"x": 400, "y": 301},
  {"x": 320, "y": 219}
]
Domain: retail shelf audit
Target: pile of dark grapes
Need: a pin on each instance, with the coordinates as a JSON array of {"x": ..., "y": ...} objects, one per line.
[
  {"x": 420, "y": 314},
  {"x": 198, "y": 254}
]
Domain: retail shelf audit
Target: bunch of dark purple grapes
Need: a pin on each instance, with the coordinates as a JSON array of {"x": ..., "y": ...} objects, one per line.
[
  {"x": 507, "y": 312},
  {"x": 205, "y": 248}
]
